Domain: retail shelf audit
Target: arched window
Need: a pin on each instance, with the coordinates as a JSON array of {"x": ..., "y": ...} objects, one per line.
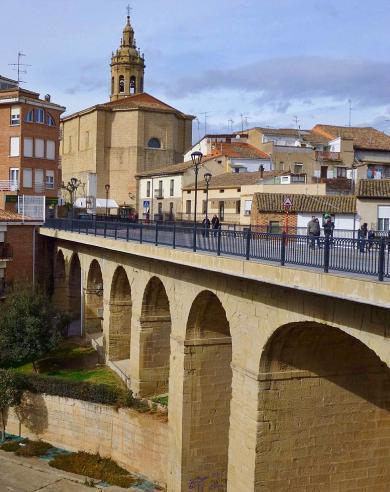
[
  {"x": 50, "y": 120},
  {"x": 154, "y": 143},
  {"x": 133, "y": 85},
  {"x": 112, "y": 85},
  {"x": 141, "y": 84},
  {"x": 121, "y": 83}
]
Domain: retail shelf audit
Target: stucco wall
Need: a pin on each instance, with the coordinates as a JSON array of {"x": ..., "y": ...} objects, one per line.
[{"x": 138, "y": 442}]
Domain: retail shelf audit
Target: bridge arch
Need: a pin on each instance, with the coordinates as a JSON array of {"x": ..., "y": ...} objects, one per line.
[
  {"x": 74, "y": 294},
  {"x": 120, "y": 312},
  {"x": 154, "y": 340},
  {"x": 324, "y": 402},
  {"x": 60, "y": 296},
  {"x": 207, "y": 387},
  {"x": 93, "y": 293}
]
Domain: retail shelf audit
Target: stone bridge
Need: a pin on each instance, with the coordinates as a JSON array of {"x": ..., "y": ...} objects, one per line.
[{"x": 278, "y": 378}]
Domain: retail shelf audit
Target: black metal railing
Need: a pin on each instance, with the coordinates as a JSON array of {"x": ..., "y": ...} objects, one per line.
[{"x": 356, "y": 256}]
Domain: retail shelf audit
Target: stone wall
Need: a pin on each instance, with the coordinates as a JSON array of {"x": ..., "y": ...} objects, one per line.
[{"x": 138, "y": 442}]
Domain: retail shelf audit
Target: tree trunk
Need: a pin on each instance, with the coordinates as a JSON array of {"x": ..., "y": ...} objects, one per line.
[
  {"x": 34, "y": 366},
  {"x": 2, "y": 428}
]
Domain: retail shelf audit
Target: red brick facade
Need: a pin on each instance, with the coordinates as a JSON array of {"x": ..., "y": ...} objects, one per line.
[
  {"x": 264, "y": 219},
  {"x": 20, "y": 267}
]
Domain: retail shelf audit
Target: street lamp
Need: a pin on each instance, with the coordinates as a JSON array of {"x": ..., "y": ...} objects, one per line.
[
  {"x": 207, "y": 178},
  {"x": 107, "y": 187},
  {"x": 196, "y": 160}
]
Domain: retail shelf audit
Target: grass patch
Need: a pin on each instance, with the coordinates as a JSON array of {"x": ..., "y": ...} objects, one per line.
[
  {"x": 161, "y": 400},
  {"x": 75, "y": 363},
  {"x": 93, "y": 466},
  {"x": 33, "y": 448}
]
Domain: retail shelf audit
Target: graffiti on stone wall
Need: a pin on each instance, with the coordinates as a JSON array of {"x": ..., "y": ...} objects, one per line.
[{"x": 216, "y": 481}]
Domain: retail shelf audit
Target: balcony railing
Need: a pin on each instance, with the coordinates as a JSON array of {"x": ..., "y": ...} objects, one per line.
[
  {"x": 158, "y": 194},
  {"x": 5, "y": 251},
  {"x": 9, "y": 185},
  {"x": 324, "y": 155}
]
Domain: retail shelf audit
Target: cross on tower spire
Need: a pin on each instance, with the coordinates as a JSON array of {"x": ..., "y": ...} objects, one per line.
[{"x": 129, "y": 9}]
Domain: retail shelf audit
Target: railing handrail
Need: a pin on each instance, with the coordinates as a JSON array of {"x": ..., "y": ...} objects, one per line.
[{"x": 343, "y": 254}]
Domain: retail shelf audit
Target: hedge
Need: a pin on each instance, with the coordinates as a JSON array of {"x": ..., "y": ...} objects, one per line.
[{"x": 79, "y": 390}]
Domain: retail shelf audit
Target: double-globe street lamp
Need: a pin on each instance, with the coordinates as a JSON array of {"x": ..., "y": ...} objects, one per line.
[
  {"x": 207, "y": 178},
  {"x": 196, "y": 158}
]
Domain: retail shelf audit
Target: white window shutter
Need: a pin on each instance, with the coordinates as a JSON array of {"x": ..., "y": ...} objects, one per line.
[
  {"x": 50, "y": 149},
  {"x": 28, "y": 147},
  {"x": 39, "y": 148},
  {"x": 14, "y": 147}
]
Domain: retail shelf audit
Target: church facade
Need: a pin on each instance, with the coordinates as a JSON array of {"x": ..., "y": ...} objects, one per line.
[{"x": 109, "y": 143}]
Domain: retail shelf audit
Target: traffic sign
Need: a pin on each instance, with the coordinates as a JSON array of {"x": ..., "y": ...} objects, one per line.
[{"x": 287, "y": 203}]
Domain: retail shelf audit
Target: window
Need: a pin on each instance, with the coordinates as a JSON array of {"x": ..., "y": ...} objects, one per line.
[
  {"x": 298, "y": 167},
  {"x": 148, "y": 189},
  {"x": 121, "y": 84},
  {"x": 172, "y": 187},
  {"x": 221, "y": 208},
  {"x": 383, "y": 218},
  {"x": 30, "y": 116},
  {"x": 188, "y": 206},
  {"x": 112, "y": 85},
  {"x": 14, "y": 178},
  {"x": 341, "y": 172},
  {"x": 39, "y": 148},
  {"x": 171, "y": 210},
  {"x": 15, "y": 116},
  {"x": 247, "y": 207},
  {"x": 27, "y": 178},
  {"x": 238, "y": 206},
  {"x": 50, "y": 150},
  {"x": 274, "y": 227},
  {"x": 160, "y": 188},
  {"x": 50, "y": 120},
  {"x": 133, "y": 85},
  {"x": 39, "y": 116},
  {"x": 154, "y": 143},
  {"x": 14, "y": 144},
  {"x": 39, "y": 185},
  {"x": 222, "y": 191},
  {"x": 28, "y": 147},
  {"x": 160, "y": 209},
  {"x": 188, "y": 192},
  {"x": 50, "y": 180}
]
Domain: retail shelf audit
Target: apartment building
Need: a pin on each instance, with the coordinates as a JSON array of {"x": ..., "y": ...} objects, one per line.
[{"x": 29, "y": 145}]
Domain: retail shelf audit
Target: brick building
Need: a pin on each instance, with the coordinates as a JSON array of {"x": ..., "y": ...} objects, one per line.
[
  {"x": 17, "y": 250},
  {"x": 29, "y": 145}
]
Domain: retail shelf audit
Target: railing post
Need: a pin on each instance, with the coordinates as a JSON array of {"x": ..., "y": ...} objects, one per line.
[
  {"x": 326, "y": 253},
  {"x": 219, "y": 241},
  {"x": 116, "y": 229},
  {"x": 105, "y": 228},
  {"x": 194, "y": 238},
  {"x": 156, "y": 238},
  {"x": 140, "y": 232},
  {"x": 72, "y": 224},
  {"x": 283, "y": 249},
  {"x": 248, "y": 243},
  {"x": 127, "y": 233},
  {"x": 174, "y": 236},
  {"x": 381, "y": 259},
  {"x": 95, "y": 226}
]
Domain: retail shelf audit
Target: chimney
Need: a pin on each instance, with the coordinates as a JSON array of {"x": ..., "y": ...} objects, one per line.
[{"x": 47, "y": 97}]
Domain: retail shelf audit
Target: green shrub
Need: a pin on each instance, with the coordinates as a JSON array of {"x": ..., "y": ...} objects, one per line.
[
  {"x": 10, "y": 446},
  {"x": 93, "y": 466},
  {"x": 33, "y": 448}
]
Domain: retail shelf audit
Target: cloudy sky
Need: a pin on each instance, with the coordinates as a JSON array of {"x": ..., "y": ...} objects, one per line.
[{"x": 253, "y": 62}]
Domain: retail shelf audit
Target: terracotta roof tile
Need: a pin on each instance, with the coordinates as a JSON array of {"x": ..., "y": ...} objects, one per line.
[
  {"x": 364, "y": 138},
  {"x": 374, "y": 188},
  {"x": 273, "y": 202},
  {"x": 172, "y": 169},
  {"x": 238, "y": 149},
  {"x": 8, "y": 216}
]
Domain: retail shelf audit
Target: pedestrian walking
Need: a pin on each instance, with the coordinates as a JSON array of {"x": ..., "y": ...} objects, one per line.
[
  {"x": 314, "y": 231},
  {"x": 371, "y": 238},
  {"x": 328, "y": 228},
  {"x": 362, "y": 235},
  {"x": 206, "y": 226}
]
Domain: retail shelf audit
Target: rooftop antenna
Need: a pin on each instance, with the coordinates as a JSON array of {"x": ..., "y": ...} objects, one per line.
[
  {"x": 206, "y": 115},
  {"x": 243, "y": 118},
  {"x": 230, "y": 126},
  {"x": 297, "y": 125},
  {"x": 198, "y": 124},
  {"x": 17, "y": 66},
  {"x": 350, "y": 111}
]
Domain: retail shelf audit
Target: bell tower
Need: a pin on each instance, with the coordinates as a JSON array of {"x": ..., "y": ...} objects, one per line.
[{"x": 127, "y": 66}]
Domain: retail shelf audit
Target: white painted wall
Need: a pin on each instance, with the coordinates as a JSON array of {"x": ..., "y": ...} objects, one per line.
[
  {"x": 251, "y": 165},
  {"x": 335, "y": 145},
  {"x": 166, "y": 183},
  {"x": 341, "y": 221}
]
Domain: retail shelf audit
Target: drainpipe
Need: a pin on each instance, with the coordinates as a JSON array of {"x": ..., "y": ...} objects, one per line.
[{"x": 33, "y": 258}]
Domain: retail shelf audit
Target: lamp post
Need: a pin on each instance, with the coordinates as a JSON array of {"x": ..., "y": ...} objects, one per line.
[
  {"x": 207, "y": 178},
  {"x": 196, "y": 160},
  {"x": 107, "y": 187}
]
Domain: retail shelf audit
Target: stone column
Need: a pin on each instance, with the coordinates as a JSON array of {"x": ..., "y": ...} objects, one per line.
[{"x": 119, "y": 330}]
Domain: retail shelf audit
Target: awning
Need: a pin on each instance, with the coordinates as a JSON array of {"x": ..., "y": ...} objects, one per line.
[{"x": 100, "y": 203}]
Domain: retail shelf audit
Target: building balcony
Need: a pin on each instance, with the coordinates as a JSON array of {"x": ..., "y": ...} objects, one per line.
[
  {"x": 5, "y": 251},
  {"x": 158, "y": 194},
  {"x": 9, "y": 185},
  {"x": 324, "y": 155}
]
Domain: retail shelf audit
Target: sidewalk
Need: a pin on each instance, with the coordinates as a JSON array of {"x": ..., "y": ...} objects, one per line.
[{"x": 32, "y": 475}]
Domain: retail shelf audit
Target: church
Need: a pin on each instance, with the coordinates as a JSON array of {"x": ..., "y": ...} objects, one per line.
[{"x": 107, "y": 144}]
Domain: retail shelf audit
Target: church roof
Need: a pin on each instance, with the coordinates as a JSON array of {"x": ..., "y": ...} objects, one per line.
[{"x": 142, "y": 100}]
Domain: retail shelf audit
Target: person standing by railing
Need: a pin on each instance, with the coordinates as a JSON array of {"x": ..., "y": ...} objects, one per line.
[
  {"x": 314, "y": 231},
  {"x": 215, "y": 224},
  {"x": 328, "y": 228},
  {"x": 362, "y": 234}
]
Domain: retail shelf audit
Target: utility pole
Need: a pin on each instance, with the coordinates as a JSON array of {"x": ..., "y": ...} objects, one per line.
[
  {"x": 17, "y": 66},
  {"x": 243, "y": 118},
  {"x": 230, "y": 126},
  {"x": 297, "y": 126}
]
